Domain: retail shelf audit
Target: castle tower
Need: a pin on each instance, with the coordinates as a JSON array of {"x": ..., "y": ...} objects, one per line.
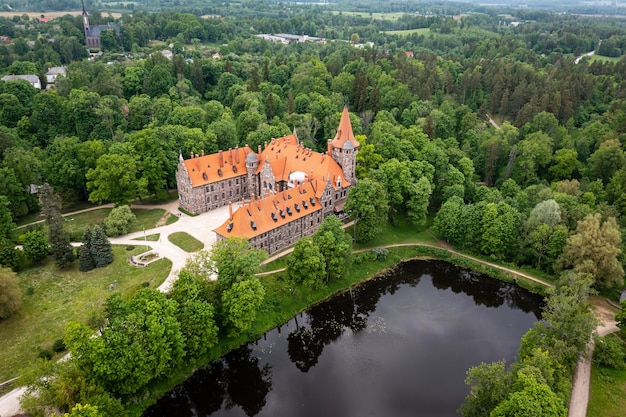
[
  {"x": 344, "y": 147},
  {"x": 252, "y": 163}
]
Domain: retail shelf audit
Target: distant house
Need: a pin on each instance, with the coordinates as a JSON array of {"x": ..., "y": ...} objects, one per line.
[
  {"x": 53, "y": 73},
  {"x": 286, "y": 38},
  {"x": 44, "y": 19},
  {"x": 409, "y": 54},
  {"x": 6, "y": 39},
  {"x": 167, "y": 54},
  {"x": 31, "y": 78}
]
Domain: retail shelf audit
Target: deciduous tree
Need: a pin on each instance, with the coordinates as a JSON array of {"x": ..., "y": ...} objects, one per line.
[
  {"x": 35, "y": 246},
  {"x": 240, "y": 303},
  {"x": 335, "y": 246},
  {"x": 306, "y": 265},
  {"x": 234, "y": 260},
  {"x": 10, "y": 293},
  {"x": 118, "y": 221},
  {"x": 367, "y": 205},
  {"x": 595, "y": 249}
]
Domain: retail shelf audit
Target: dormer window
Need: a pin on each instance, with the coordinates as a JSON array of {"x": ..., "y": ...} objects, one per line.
[
  {"x": 297, "y": 207},
  {"x": 274, "y": 217},
  {"x": 282, "y": 214},
  {"x": 253, "y": 224},
  {"x": 289, "y": 212},
  {"x": 205, "y": 176},
  {"x": 219, "y": 172},
  {"x": 229, "y": 228},
  {"x": 312, "y": 201},
  {"x": 305, "y": 204}
]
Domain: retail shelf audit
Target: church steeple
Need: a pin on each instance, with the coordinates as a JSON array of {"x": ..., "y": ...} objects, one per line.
[{"x": 85, "y": 19}]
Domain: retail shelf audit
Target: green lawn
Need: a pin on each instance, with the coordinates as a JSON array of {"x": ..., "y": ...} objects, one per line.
[
  {"x": 186, "y": 242},
  {"x": 420, "y": 31},
  {"x": 608, "y": 393},
  {"x": 53, "y": 297},
  {"x": 146, "y": 219},
  {"x": 152, "y": 238},
  {"x": 602, "y": 58}
]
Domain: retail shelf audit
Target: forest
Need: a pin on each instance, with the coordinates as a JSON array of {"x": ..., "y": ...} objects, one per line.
[{"x": 487, "y": 128}]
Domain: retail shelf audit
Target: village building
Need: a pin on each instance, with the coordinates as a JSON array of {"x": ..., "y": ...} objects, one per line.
[
  {"x": 290, "y": 188},
  {"x": 31, "y": 78},
  {"x": 93, "y": 32},
  {"x": 54, "y": 72}
]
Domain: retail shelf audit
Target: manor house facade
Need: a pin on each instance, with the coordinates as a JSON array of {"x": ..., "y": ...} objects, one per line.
[{"x": 290, "y": 189}]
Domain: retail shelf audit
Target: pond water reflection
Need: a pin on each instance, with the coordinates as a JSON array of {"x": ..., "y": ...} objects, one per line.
[{"x": 398, "y": 345}]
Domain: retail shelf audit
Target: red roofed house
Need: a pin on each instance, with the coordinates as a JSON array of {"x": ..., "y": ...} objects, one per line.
[{"x": 291, "y": 188}]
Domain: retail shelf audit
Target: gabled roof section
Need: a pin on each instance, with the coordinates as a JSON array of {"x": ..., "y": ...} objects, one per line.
[
  {"x": 286, "y": 156},
  {"x": 207, "y": 169},
  {"x": 260, "y": 216},
  {"x": 345, "y": 138}
]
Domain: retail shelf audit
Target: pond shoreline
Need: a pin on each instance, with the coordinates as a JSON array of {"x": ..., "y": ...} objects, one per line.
[{"x": 420, "y": 252}]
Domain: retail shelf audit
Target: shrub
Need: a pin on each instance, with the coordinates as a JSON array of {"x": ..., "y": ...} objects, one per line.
[
  {"x": 45, "y": 354},
  {"x": 59, "y": 345},
  {"x": 609, "y": 352},
  {"x": 118, "y": 221},
  {"x": 380, "y": 254},
  {"x": 36, "y": 246}
]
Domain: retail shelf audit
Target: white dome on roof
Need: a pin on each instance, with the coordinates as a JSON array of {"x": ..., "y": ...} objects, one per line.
[{"x": 296, "y": 177}]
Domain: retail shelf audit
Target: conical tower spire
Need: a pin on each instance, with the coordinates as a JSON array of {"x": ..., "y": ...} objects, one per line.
[{"x": 344, "y": 132}]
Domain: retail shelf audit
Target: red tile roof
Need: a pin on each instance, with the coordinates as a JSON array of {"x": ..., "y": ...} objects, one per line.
[
  {"x": 286, "y": 156},
  {"x": 344, "y": 132},
  {"x": 261, "y": 216},
  {"x": 216, "y": 167}
]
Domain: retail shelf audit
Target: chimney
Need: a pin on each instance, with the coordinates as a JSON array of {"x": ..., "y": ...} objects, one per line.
[
  {"x": 237, "y": 154},
  {"x": 230, "y": 211},
  {"x": 230, "y": 156},
  {"x": 259, "y": 149},
  {"x": 221, "y": 158},
  {"x": 330, "y": 148},
  {"x": 311, "y": 176},
  {"x": 202, "y": 152},
  {"x": 322, "y": 161},
  {"x": 300, "y": 187},
  {"x": 191, "y": 154}
]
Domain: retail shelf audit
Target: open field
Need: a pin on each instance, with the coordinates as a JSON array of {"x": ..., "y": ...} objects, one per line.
[
  {"x": 52, "y": 297},
  {"x": 377, "y": 16},
  {"x": 52, "y": 14},
  {"x": 420, "y": 31}
]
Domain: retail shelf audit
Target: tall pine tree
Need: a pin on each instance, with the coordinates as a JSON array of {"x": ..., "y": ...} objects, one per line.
[
  {"x": 100, "y": 247},
  {"x": 61, "y": 248},
  {"x": 85, "y": 260}
]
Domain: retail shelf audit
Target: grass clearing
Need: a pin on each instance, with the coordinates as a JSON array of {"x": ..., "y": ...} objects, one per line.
[
  {"x": 152, "y": 238},
  {"x": 375, "y": 16},
  {"x": 607, "y": 397},
  {"x": 613, "y": 59},
  {"x": 186, "y": 242},
  {"x": 420, "y": 31},
  {"x": 53, "y": 297},
  {"x": 145, "y": 219}
]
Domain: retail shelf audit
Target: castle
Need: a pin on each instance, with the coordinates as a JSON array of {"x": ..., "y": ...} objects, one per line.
[{"x": 290, "y": 189}]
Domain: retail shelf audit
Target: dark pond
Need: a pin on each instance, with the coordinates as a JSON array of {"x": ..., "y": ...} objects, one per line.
[{"x": 396, "y": 346}]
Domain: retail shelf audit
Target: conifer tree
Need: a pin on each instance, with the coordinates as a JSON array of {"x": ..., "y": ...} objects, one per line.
[
  {"x": 100, "y": 248},
  {"x": 85, "y": 260},
  {"x": 60, "y": 246}
]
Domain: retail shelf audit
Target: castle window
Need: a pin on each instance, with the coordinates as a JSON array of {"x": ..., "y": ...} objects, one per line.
[
  {"x": 237, "y": 181},
  {"x": 212, "y": 187}
]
